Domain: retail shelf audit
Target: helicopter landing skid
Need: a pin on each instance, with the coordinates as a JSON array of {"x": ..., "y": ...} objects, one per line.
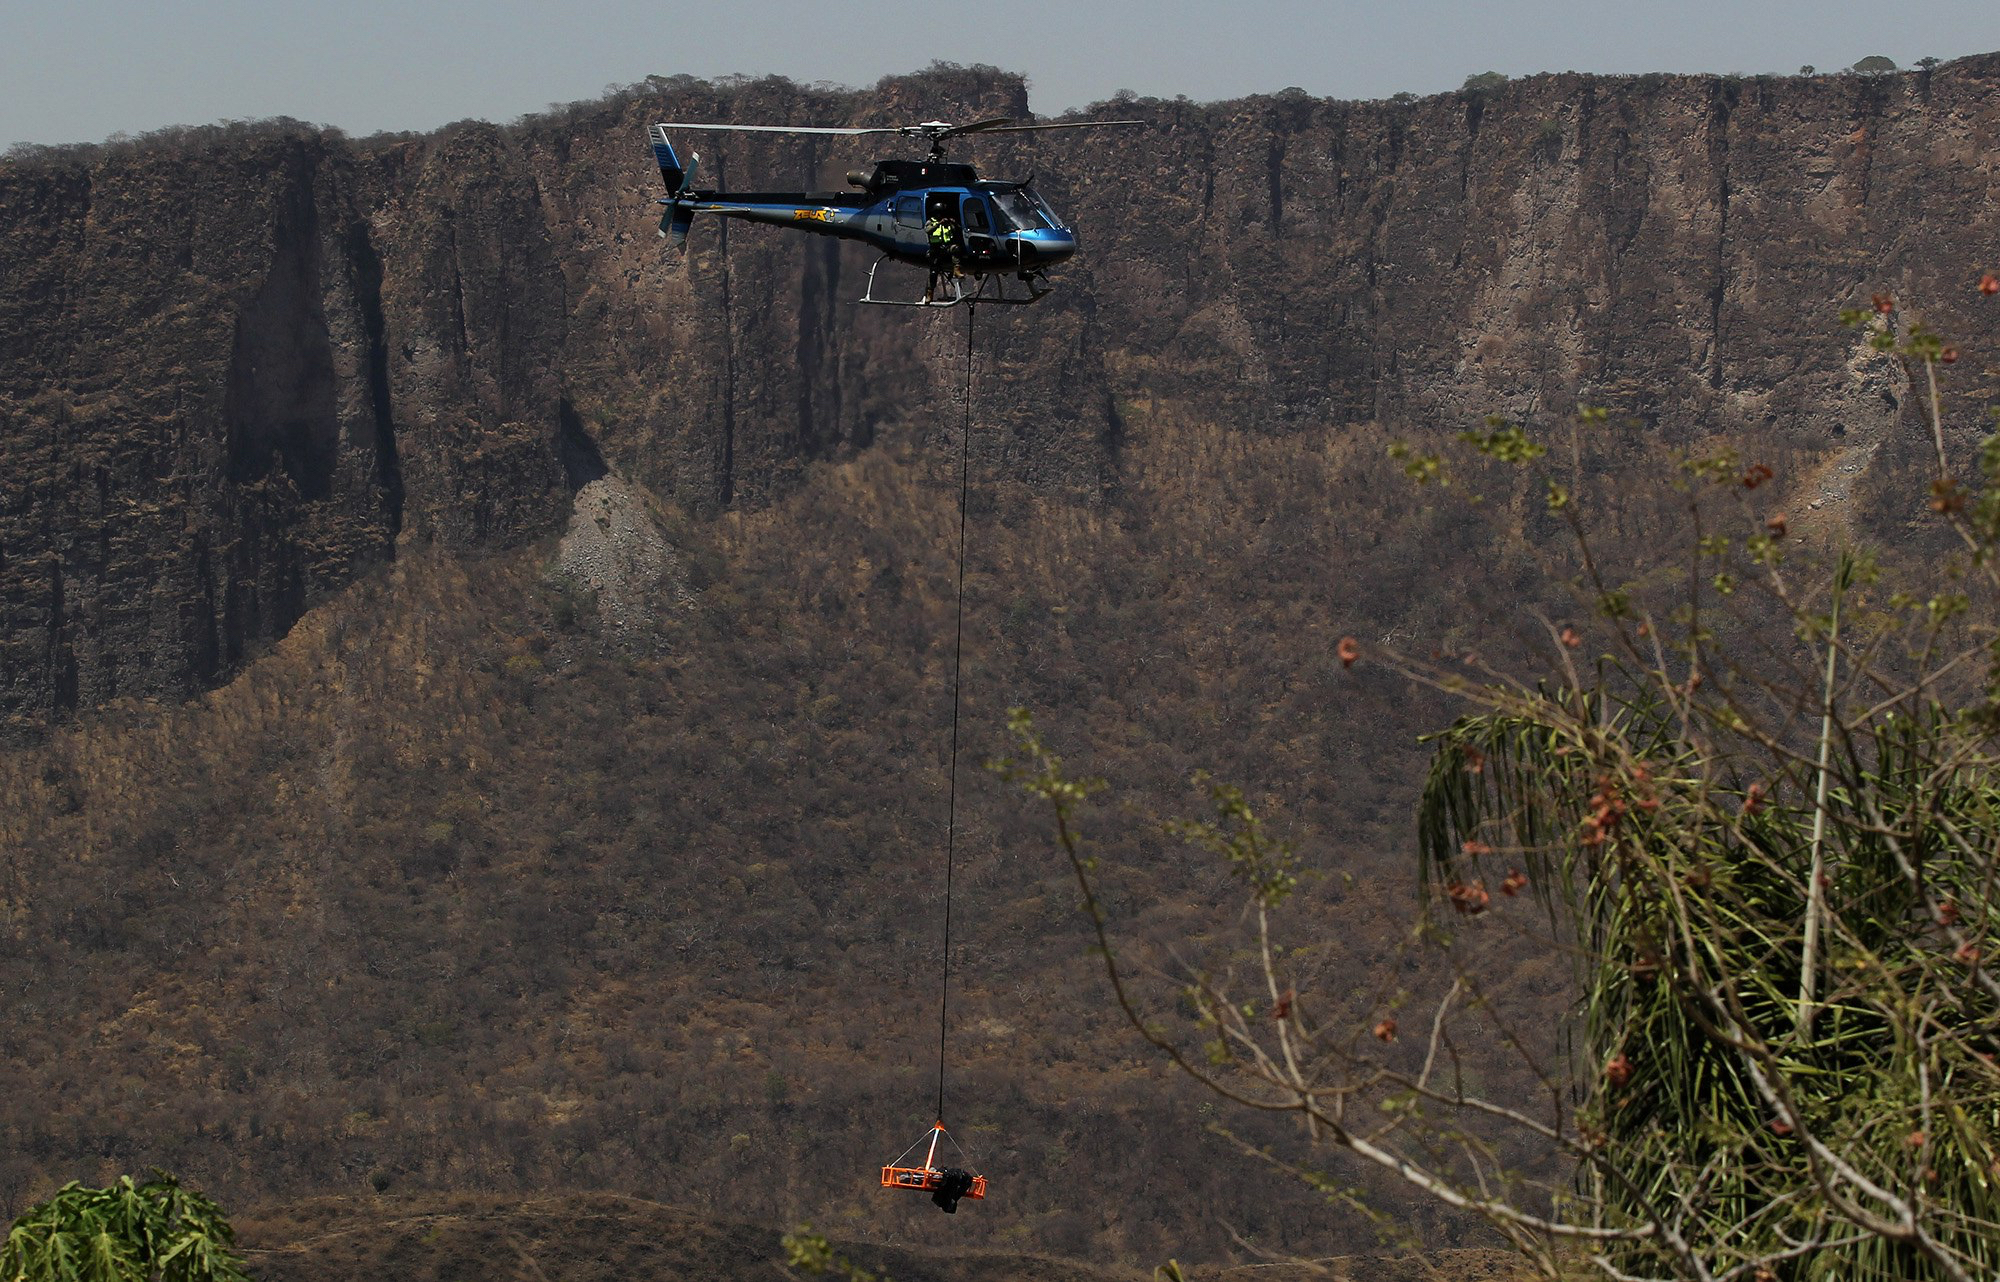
[{"x": 991, "y": 288}]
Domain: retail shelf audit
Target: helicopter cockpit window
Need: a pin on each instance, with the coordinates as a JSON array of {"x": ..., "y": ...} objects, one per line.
[{"x": 1016, "y": 209}]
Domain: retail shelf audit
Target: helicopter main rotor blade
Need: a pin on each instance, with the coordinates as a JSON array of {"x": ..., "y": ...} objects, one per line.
[
  {"x": 777, "y": 129},
  {"x": 1072, "y": 124},
  {"x": 934, "y": 130},
  {"x": 977, "y": 126}
]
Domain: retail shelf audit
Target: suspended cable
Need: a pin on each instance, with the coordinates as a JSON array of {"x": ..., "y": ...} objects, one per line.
[
  {"x": 957, "y": 669},
  {"x": 948, "y": 1184}
]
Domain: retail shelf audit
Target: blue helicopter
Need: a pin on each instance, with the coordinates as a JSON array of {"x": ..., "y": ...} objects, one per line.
[{"x": 929, "y": 213}]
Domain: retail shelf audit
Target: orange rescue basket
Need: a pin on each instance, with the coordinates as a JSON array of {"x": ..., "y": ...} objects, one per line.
[
  {"x": 927, "y": 1178},
  {"x": 924, "y": 1180}
]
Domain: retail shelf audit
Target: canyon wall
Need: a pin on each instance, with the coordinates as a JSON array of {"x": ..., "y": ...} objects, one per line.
[{"x": 238, "y": 364}]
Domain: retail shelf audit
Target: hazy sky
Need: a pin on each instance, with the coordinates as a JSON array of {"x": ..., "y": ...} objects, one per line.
[{"x": 80, "y": 70}]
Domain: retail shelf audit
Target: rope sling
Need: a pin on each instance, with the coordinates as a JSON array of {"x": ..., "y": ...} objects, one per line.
[{"x": 947, "y": 1185}]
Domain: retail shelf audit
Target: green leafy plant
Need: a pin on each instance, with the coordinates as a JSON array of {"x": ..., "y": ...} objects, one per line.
[{"x": 157, "y": 1231}]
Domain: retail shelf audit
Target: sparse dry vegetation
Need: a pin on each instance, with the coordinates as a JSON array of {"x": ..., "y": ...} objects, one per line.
[
  {"x": 454, "y": 889},
  {"x": 1752, "y": 794}
]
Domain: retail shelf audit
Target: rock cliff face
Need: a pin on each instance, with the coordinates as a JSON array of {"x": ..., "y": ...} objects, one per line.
[
  {"x": 206, "y": 421},
  {"x": 235, "y": 367}
]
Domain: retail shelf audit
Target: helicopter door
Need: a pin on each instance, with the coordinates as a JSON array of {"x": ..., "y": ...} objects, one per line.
[
  {"x": 909, "y": 212},
  {"x": 977, "y": 227}
]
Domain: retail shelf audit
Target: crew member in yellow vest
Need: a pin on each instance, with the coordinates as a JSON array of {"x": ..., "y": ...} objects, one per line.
[{"x": 942, "y": 236}]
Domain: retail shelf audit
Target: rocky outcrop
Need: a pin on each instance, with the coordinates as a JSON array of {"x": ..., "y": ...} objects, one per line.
[
  {"x": 238, "y": 366},
  {"x": 615, "y": 552}
]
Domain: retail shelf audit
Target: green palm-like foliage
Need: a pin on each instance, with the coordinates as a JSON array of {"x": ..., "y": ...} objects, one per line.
[
  {"x": 151, "y": 1232},
  {"x": 1673, "y": 848}
]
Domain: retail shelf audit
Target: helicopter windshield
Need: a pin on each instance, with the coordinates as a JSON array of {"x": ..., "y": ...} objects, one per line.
[{"x": 1016, "y": 208}]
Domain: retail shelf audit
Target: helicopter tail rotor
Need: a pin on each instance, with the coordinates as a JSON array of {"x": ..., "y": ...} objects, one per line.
[
  {"x": 679, "y": 178},
  {"x": 674, "y": 223}
]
